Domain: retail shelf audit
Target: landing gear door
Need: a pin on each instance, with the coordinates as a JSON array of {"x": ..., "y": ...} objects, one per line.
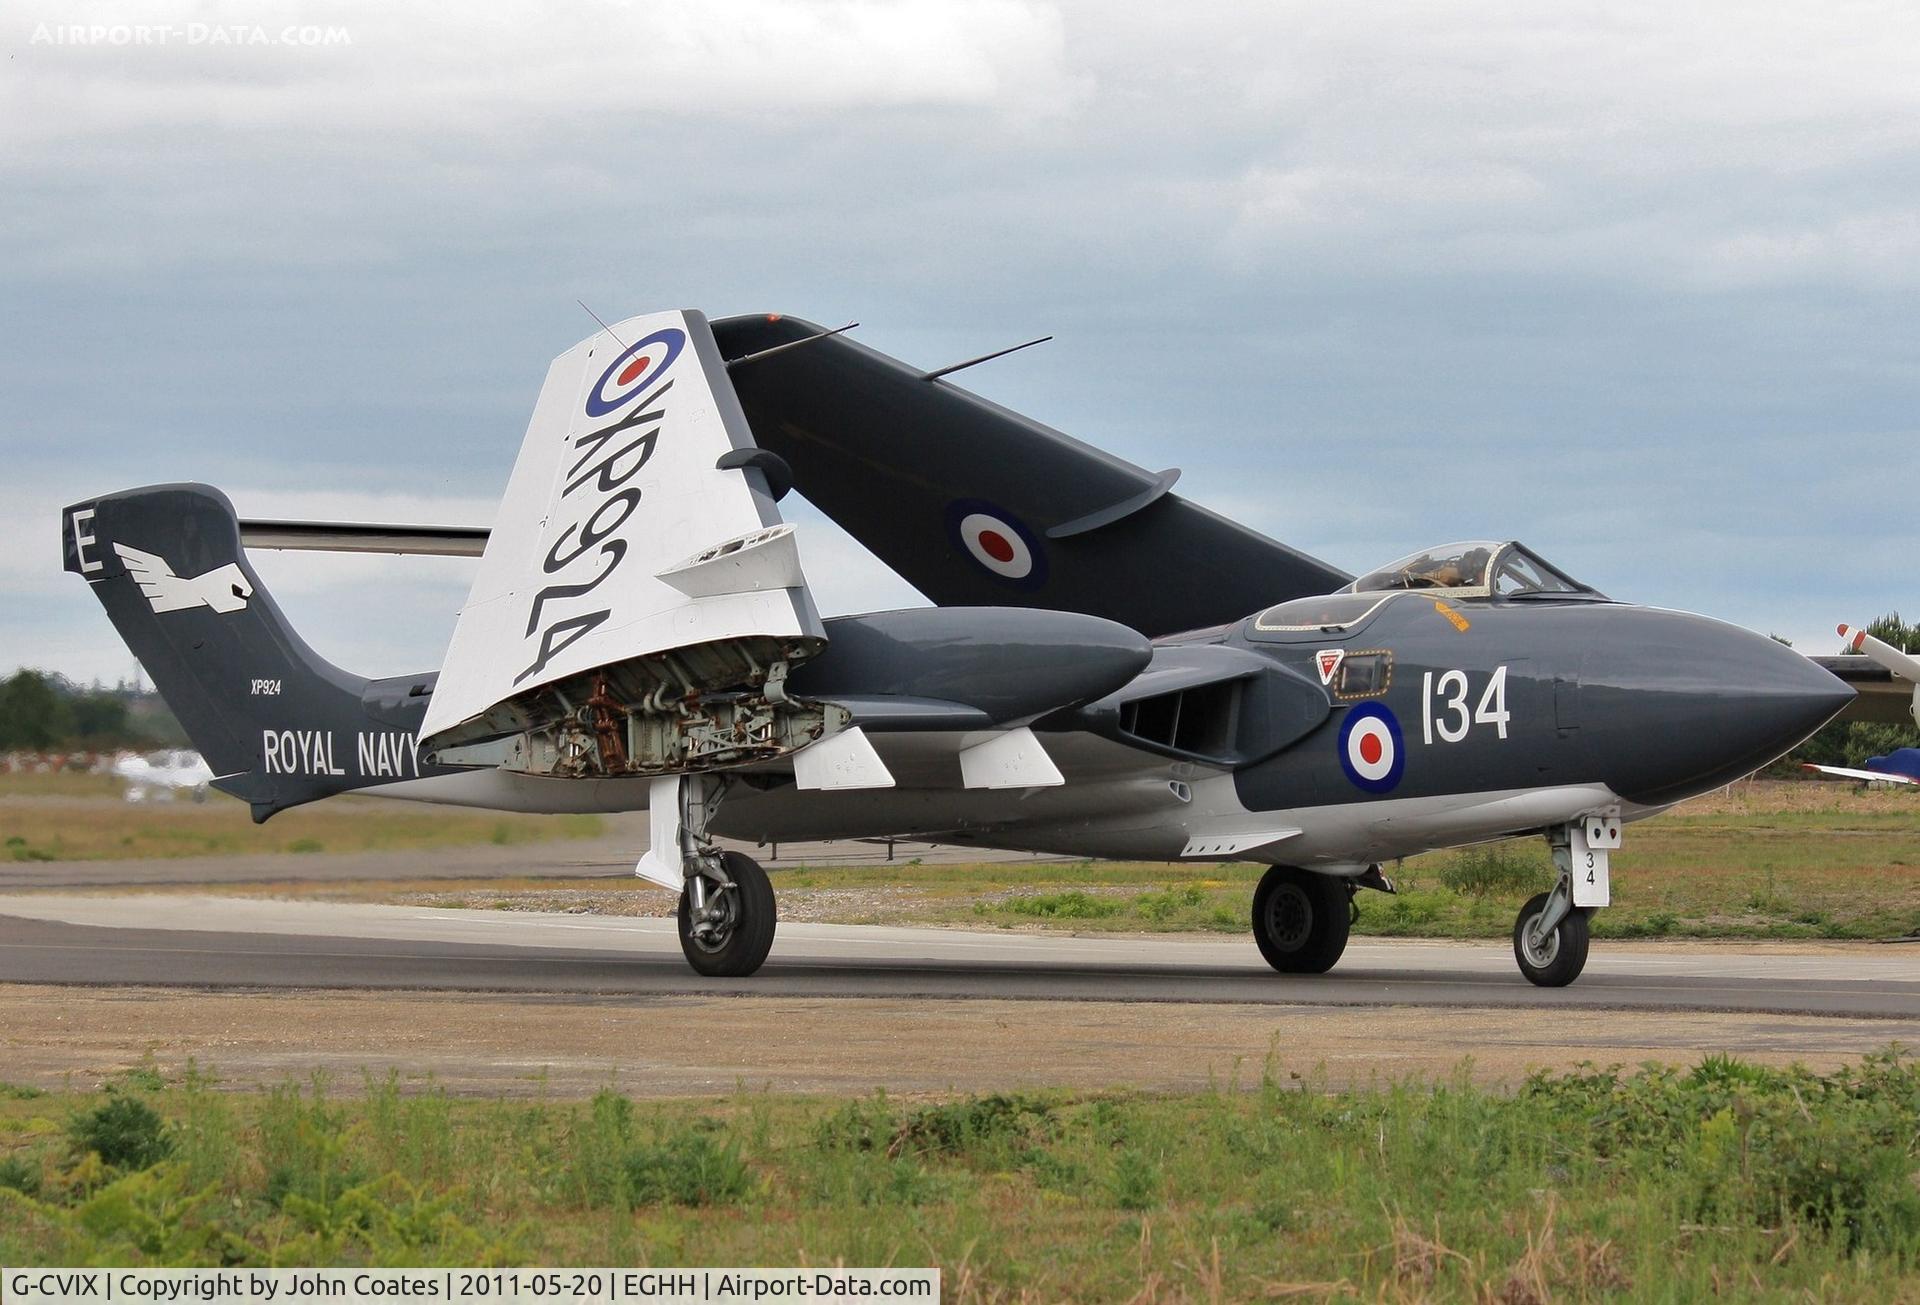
[{"x": 1593, "y": 839}]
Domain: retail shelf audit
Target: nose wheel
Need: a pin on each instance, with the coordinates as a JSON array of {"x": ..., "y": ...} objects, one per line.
[{"x": 1550, "y": 939}]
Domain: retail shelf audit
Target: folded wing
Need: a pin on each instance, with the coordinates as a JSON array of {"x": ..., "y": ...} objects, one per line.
[
  {"x": 634, "y": 560},
  {"x": 975, "y": 505}
]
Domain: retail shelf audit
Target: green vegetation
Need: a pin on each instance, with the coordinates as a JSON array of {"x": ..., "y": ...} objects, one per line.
[
  {"x": 40, "y": 712},
  {"x": 41, "y": 826},
  {"x": 1655, "y": 1184}
]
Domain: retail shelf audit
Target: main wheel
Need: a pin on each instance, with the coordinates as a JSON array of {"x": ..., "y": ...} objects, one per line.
[
  {"x": 1301, "y": 919},
  {"x": 734, "y": 944},
  {"x": 1558, "y": 960}
]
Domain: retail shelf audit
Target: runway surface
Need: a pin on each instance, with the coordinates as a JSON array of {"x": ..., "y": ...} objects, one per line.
[{"x": 178, "y": 940}]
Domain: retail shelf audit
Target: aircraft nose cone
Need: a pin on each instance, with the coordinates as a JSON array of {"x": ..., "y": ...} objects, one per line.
[{"x": 1684, "y": 704}]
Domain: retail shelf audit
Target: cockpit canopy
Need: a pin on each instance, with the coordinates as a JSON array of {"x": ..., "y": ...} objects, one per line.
[{"x": 1481, "y": 568}]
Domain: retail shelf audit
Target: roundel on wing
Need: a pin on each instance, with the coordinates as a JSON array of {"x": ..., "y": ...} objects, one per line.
[
  {"x": 634, "y": 369},
  {"x": 1372, "y": 751},
  {"x": 997, "y": 542}
]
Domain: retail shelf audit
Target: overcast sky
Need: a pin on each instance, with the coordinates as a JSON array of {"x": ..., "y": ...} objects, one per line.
[{"x": 1636, "y": 284}]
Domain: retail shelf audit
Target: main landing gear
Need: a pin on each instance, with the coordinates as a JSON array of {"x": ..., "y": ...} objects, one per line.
[
  {"x": 727, "y": 917},
  {"x": 1551, "y": 934},
  {"x": 1301, "y": 919},
  {"x": 727, "y": 913}
]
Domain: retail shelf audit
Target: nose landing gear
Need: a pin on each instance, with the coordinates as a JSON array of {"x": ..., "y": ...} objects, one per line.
[
  {"x": 1550, "y": 938},
  {"x": 1551, "y": 935}
]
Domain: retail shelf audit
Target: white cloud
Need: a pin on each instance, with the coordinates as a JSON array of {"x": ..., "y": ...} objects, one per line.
[{"x": 608, "y": 72}]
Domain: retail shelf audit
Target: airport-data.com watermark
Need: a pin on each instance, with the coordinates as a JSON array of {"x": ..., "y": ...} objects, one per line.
[{"x": 234, "y": 35}]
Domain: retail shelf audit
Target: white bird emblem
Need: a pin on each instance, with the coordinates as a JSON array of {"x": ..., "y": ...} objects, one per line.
[{"x": 224, "y": 589}]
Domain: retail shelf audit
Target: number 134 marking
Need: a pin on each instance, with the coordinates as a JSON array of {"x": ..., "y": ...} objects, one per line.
[{"x": 1443, "y": 705}]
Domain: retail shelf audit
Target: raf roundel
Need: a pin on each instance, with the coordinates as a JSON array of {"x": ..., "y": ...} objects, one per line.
[
  {"x": 997, "y": 541},
  {"x": 634, "y": 369},
  {"x": 1372, "y": 751}
]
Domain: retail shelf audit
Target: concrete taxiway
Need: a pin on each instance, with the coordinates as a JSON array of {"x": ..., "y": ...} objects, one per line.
[
  {"x": 208, "y": 941},
  {"x": 522, "y": 1003}
]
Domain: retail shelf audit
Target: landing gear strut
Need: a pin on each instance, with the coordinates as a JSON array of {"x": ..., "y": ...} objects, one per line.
[
  {"x": 1301, "y": 919},
  {"x": 726, "y": 914},
  {"x": 1550, "y": 936}
]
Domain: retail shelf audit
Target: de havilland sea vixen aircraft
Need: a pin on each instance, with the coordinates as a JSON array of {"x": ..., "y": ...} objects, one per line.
[{"x": 1110, "y": 670}]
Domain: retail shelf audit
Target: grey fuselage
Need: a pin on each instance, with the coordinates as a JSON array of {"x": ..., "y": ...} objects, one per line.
[{"x": 1447, "y": 720}]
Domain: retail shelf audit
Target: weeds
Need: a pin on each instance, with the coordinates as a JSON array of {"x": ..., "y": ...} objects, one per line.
[
  {"x": 1498, "y": 868},
  {"x": 125, "y": 1132},
  {"x": 1074, "y": 905},
  {"x": 19, "y": 1173},
  {"x": 1657, "y": 1184},
  {"x": 687, "y": 1167},
  {"x": 972, "y": 1126},
  {"x": 1135, "y": 1183}
]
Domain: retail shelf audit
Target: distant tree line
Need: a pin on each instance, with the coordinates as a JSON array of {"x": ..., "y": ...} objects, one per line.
[
  {"x": 1850, "y": 743},
  {"x": 46, "y": 712}
]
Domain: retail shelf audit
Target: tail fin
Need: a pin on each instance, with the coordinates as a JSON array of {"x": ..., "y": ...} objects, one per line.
[{"x": 278, "y": 724}]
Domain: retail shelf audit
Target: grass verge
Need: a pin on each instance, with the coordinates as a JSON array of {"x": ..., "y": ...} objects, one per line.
[
  {"x": 1657, "y": 1184},
  {"x": 81, "y": 818}
]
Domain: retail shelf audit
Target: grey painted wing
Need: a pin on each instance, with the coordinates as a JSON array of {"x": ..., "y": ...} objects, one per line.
[{"x": 975, "y": 505}]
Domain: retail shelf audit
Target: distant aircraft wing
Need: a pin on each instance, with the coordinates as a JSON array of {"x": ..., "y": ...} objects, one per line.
[
  {"x": 1881, "y": 695},
  {"x": 975, "y": 505},
  {"x": 1887, "y": 679},
  {"x": 1848, "y": 772}
]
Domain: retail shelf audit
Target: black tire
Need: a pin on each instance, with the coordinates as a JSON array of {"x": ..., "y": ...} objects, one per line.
[
  {"x": 748, "y": 936},
  {"x": 1564, "y": 955},
  {"x": 1301, "y": 920}
]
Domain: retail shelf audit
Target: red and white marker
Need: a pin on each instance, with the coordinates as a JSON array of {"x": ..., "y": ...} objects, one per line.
[
  {"x": 1903, "y": 664},
  {"x": 1370, "y": 749},
  {"x": 996, "y": 545},
  {"x": 1328, "y": 660}
]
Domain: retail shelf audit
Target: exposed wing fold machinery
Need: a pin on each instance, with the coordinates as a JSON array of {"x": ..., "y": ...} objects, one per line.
[
  {"x": 640, "y": 609},
  {"x": 637, "y": 608}
]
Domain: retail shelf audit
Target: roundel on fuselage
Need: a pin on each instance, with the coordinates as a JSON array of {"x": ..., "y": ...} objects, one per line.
[{"x": 1372, "y": 751}]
